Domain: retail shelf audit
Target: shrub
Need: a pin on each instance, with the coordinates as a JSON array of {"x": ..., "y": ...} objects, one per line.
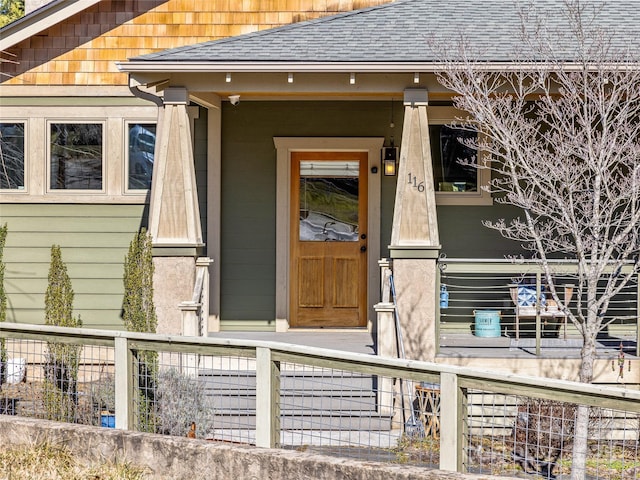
[
  {"x": 182, "y": 401},
  {"x": 138, "y": 310},
  {"x": 3, "y": 304},
  {"x": 61, "y": 362},
  {"x": 542, "y": 433},
  {"x": 139, "y": 315}
]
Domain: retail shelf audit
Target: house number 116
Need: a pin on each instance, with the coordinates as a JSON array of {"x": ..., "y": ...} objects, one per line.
[{"x": 414, "y": 181}]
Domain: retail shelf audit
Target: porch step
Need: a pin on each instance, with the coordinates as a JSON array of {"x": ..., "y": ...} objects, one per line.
[
  {"x": 246, "y": 420},
  {"x": 315, "y": 400}
]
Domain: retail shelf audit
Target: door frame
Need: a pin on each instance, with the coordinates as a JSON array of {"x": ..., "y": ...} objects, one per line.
[{"x": 284, "y": 147}]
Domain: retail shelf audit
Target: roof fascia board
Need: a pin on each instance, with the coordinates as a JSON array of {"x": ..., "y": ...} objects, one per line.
[
  {"x": 342, "y": 67},
  {"x": 41, "y": 19}
]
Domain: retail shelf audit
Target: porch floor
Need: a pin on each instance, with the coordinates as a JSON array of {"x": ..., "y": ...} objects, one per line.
[
  {"x": 465, "y": 345},
  {"x": 349, "y": 341},
  {"x": 468, "y": 345}
]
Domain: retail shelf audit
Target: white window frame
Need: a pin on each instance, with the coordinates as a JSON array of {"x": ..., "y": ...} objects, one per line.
[
  {"x": 69, "y": 191},
  {"x": 25, "y": 188},
  {"x": 447, "y": 116}
]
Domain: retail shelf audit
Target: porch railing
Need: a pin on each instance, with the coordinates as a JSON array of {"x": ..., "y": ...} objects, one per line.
[
  {"x": 482, "y": 307},
  {"x": 322, "y": 401},
  {"x": 195, "y": 312}
]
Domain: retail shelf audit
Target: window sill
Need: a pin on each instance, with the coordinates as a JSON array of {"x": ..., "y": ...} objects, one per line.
[{"x": 462, "y": 198}]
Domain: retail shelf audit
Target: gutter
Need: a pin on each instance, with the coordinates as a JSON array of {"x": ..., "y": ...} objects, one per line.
[{"x": 136, "y": 92}]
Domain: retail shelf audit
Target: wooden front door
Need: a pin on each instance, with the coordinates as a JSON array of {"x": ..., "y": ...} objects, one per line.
[{"x": 328, "y": 239}]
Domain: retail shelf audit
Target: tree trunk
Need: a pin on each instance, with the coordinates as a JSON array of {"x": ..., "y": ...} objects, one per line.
[{"x": 581, "y": 431}]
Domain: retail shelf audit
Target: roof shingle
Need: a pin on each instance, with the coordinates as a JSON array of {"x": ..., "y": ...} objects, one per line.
[{"x": 403, "y": 31}]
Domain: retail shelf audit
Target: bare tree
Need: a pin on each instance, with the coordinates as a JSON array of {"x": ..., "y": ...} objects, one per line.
[{"x": 561, "y": 127}]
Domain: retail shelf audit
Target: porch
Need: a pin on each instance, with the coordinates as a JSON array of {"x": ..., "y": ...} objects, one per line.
[
  {"x": 451, "y": 344},
  {"x": 482, "y": 311}
]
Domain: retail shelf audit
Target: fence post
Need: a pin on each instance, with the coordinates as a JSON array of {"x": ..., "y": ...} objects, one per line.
[
  {"x": 190, "y": 328},
  {"x": 452, "y": 422},
  {"x": 123, "y": 383},
  {"x": 385, "y": 336},
  {"x": 267, "y": 399}
]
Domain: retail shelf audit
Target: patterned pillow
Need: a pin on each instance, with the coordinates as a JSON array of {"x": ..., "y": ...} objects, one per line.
[{"x": 527, "y": 295}]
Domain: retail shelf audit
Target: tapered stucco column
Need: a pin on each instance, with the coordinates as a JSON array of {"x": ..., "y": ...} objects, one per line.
[
  {"x": 174, "y": 216},
  {"x": 415, "y": 243}
]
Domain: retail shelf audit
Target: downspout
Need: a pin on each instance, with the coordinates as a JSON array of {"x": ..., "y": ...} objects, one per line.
[{"x": 136, "y": 92}]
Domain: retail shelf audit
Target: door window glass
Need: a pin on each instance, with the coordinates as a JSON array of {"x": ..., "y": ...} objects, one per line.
[{"x": 329, "y": 201}]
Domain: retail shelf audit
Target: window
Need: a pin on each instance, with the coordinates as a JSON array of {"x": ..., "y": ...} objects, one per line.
[
  {"x": 142, "y": 142},
  {"x": 447, "y": 149},
  {"x": 12, "y": 156},
  {"x": 455, "y": 183},
  {"x": 76, "y": 156}
]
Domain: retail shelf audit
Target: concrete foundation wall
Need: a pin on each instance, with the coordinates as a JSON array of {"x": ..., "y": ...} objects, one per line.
[
  {"x": 182, "y": 458},
  {"x": 415, "y": 281},
  {"x": 173, "y": 281}
]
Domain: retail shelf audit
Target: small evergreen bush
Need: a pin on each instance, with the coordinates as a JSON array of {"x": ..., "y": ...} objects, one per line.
[
  {"x": 3, "y": 305},
  {"x": 62, "y": 360},
  {"x": 139, "y": 315}
]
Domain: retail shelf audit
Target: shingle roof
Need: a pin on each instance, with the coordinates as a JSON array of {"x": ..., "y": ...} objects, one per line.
[{"x": 404, "y": 30}]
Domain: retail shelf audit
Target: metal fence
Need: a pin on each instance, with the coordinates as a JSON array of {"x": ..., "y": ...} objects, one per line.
[
  {"x": 476, "y": 289},
  {"x": 309, "y": 399}
]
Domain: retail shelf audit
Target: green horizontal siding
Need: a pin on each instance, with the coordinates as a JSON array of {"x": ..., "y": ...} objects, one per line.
[
  {"x": 94, "y": 240},
  {"x": 71, "y": 253},
  {"x": 71, "y": 238},
  {"x": 77, "y": 270},
  {"x": 81, "y": 286}
]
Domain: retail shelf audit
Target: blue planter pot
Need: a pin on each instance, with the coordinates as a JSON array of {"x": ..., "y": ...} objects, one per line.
[{"x": 108, "y": 420}]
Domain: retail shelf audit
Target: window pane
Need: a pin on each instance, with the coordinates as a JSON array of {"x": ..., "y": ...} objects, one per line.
[
  {"x": 12, "y": 156},
  {"x": 329, "y": 201},
  {"x": 446, "y": 151},
  {"x": 76, "y": 156},
  {"x": 142, "y": 142}
]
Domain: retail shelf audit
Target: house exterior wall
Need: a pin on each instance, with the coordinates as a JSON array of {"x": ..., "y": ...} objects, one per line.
[
  {"x": 68, "y": 71},
  {"x": 93, "y": 229},
  {"x": 463, "y": 236},
  {"x": 94, "y": 240},
  {"x": 248, "y": 271}
]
